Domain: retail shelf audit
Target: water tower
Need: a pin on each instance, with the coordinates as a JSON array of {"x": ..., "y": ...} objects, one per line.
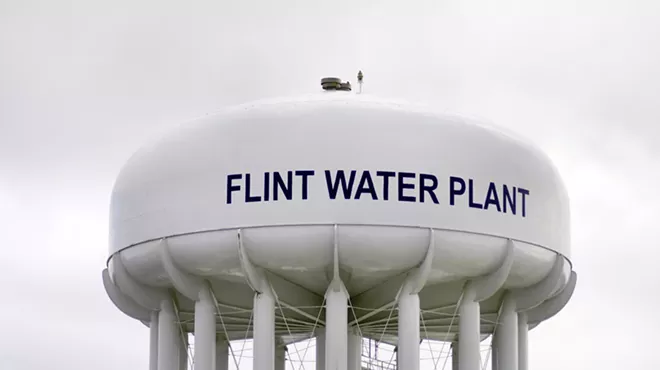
[{"x": 340, "y": 217}]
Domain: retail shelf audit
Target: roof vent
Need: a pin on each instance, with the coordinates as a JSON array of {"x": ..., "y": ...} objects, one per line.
[{"x": 334, "y": 83}]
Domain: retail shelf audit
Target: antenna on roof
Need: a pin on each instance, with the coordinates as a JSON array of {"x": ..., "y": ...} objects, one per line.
[{"x": 360, "y": 77}]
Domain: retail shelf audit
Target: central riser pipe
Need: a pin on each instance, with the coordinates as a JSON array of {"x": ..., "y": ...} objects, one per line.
[
  {"x": 408, "y": 352},
  {"x": 336, "y": 335},
  {"x": 264, "y": 332},
  {"x": 354, "y": 352}
]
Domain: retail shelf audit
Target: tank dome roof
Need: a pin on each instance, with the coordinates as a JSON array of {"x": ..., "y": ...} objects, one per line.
[{"x": 368, "y": 161}]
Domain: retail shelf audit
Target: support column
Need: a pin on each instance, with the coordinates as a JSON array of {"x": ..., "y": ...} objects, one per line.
[
  {"x": 264, "y": 331},
  {"x": 408, "y": 303},
  {"x": 280, "y": 357},
  {"x": 469, "y": 330},
  {"x": 508, "y": 335},
  {"x": 523, "y": 331},
  {"x": 153, "y": 341},
  {"x": 221, "y": 353},
  {"x": 204, "y": 331},
  {"x": 183, "y": 351},
  {"x": 494, "y": 351},
  {"x": 263, "y": 309},
  {"x": 521, "y": 300},
  {"x": 354, "y": 351},
  {"x": 408, "y": 344},
  {"x": 168, "y": 337},
  {"x": 320, "y": 349},
  {"x": 454, "y": 356},
  {"x": 336, "y": 335},
  {"x": 475, "y": 291}
]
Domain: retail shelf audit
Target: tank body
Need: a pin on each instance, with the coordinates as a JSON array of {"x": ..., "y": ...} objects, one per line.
[{"x": 339, "y": 183}]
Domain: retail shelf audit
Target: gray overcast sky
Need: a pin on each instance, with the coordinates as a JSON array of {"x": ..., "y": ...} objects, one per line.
[{"x": 84, "y": 83}]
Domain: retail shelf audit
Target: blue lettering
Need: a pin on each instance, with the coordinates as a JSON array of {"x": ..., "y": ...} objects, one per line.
[
  {"x": 424, "y": 188},
  {"x": 523, "y": 192},
  {"x": 510, "y": 199},
  {"x": 266, "y": 186},
  {"x": 453, "y": 190},
  {"x": 286, "y": 188},
  {"x": 472, "y": 203},
  {"x": 492, "y": 198},
  {"x": 231, "y": 187},
  {"x": 386, "y": 182},
  {"x": 366, "y": 185},
  {"x": 305, "y": 184},
  {"x": 250, "y": 198},
  {"x": 402, "y": 186},
  {"x": 346, "y": 184},
  {"x": 333, "y": 187}
]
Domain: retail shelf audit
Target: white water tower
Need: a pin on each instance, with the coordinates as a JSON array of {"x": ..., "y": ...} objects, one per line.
[{"x": 340, "y": 217}]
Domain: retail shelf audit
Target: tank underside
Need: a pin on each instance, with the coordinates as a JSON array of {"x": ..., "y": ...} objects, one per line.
[{"x": 373, "y": 264}]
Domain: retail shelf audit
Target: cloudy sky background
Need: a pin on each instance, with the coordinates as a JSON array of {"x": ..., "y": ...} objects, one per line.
[{"x": 84, "y": 83}]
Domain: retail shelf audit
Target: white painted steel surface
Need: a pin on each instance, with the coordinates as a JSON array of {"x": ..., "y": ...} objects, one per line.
[
  {"x": 168, "y": 338},
  {"x": 336, "y": 334},
  {"x": 354, "y": 351},
  {"x": 179, "y": 184},
  {"x": 185, "y": 173},
  {"x": 507, "y": 355},
  {"x": 205, "y": 332},
  {"x": 469, "y": 331},
  {"x": 153, "y": 341},
  {"x": 264, "y": 331},
  {"x": 183, "y": 352},
  {"x": 462, "y": 196},
  {"x": 523, "y": 339},
  {"x": 408, "y": 345},
  {"x": 177, "y": 188}
]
